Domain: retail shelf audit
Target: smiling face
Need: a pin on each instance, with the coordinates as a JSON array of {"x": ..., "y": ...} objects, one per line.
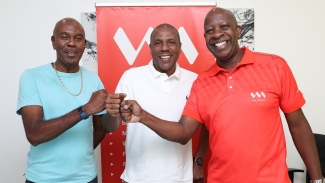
[
  {"x": 221, "y": 34},
  {"x": 69, "y": 42},
  {"x": 165, "y": 47}
]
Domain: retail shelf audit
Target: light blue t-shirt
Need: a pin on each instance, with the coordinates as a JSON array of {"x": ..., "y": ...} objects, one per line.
[{"x": 69, "y": 157}]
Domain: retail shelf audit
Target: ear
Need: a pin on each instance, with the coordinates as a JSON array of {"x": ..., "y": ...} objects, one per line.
[
  {"x": 53, "y": 42},
  {"x": 238, "y": 31},
  {"x": 204, "y": 35}
]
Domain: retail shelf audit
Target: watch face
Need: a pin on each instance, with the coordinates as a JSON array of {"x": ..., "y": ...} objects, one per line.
[{"x": 199, "y": 161}]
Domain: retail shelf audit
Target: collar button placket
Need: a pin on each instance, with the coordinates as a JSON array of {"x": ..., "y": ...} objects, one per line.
[{"x": 230, "y": 83}]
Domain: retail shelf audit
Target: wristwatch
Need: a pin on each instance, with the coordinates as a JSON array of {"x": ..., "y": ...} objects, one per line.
[
  {"x": 198, "y": 161},
  {"x": 82, "y": 113},
  {"x": 322, "y": 180}
]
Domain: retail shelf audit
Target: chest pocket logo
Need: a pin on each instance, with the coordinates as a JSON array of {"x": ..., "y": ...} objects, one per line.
[{"x": 258, "y": 97}]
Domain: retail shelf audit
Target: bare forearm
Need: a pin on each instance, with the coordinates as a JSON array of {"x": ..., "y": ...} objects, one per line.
[
  {"x": 203, "y": 144},
  {"x": 44, "y": 131},
  {"x": 172, "y": 131},
  {"x": 110, "y": 123},
  {"x": 39, "y": 131},
  {"x": 304, "y": 141},
  {"x": 98, "y": 137},
  {"x": 202, "y": 148},
  {"x": 181, "y": 131},
  {"x": 98, "y": 130}
]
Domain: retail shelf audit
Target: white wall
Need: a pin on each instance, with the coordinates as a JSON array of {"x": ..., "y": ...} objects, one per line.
[{"x": 293, "y": 29}]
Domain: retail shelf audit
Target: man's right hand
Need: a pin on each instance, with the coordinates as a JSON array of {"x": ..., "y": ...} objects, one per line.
[
  {"x": 131, "y": 111},
  {"x": 96, "y": 103}
]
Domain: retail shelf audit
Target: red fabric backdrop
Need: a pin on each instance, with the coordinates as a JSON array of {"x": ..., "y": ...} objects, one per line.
[{"x": 120, "y": 27}]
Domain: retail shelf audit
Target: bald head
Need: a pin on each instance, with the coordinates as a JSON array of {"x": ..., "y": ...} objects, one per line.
[
  {"x": 221, "y": 33},
  {"x": 69, "y": 42},
  {"x": 164, "y": 26},
  {"x": 220, "y": 11},
  {"x": 66, "y": 22}
]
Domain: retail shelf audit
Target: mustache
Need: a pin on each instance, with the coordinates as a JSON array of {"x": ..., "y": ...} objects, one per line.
[{"x": 70, "y": 50}]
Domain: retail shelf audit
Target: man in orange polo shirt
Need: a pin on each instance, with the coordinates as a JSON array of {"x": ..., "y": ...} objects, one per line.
[{"x": 238, "y": 101}]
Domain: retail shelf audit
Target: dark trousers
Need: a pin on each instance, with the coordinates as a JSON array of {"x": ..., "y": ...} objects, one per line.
[{"x": 93, "y": 181}]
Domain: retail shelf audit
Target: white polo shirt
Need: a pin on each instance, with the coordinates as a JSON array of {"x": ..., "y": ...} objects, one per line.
[{"x": 150, "y": 158}]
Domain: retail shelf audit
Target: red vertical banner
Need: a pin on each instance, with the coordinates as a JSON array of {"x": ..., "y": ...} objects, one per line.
[{"x": 123, "y": 37}]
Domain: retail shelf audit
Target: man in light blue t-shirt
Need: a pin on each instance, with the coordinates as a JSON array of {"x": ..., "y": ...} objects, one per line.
[{"x": 62, "y": 107}]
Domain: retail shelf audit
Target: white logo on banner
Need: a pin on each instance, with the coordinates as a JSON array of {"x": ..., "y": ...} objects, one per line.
[{"x": 131, "y": 54}]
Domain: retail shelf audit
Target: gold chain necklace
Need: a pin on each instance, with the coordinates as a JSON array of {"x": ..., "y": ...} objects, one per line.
[{"x": 65, "y": 86}]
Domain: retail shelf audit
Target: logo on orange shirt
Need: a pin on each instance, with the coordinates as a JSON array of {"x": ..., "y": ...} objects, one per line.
[{"x": 258, "y": 97}]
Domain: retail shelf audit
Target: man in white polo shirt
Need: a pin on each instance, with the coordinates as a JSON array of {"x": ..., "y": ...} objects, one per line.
[{"x": 162, "y": 87}]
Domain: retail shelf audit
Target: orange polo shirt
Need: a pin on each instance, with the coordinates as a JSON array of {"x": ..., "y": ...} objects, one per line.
[{"x": 241, "y": 111}]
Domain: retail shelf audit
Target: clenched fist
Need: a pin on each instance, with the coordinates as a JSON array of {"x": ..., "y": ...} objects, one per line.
[
  {"x": 113, "y": 103},
  {"x": 96, "y": 103}
]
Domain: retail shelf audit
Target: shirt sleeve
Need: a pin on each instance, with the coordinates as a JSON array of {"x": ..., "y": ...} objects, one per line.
[
  {"x": 191, "y": 107},
  {"x": 28, "y": 92},
  {"x": 100, "y": 86},
  {"x": 124, "y": 86},
  {"x": 291, "y": 97}
]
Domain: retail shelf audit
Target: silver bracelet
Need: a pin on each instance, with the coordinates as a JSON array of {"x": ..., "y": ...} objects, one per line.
[{"x": 318, "y": 181}]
